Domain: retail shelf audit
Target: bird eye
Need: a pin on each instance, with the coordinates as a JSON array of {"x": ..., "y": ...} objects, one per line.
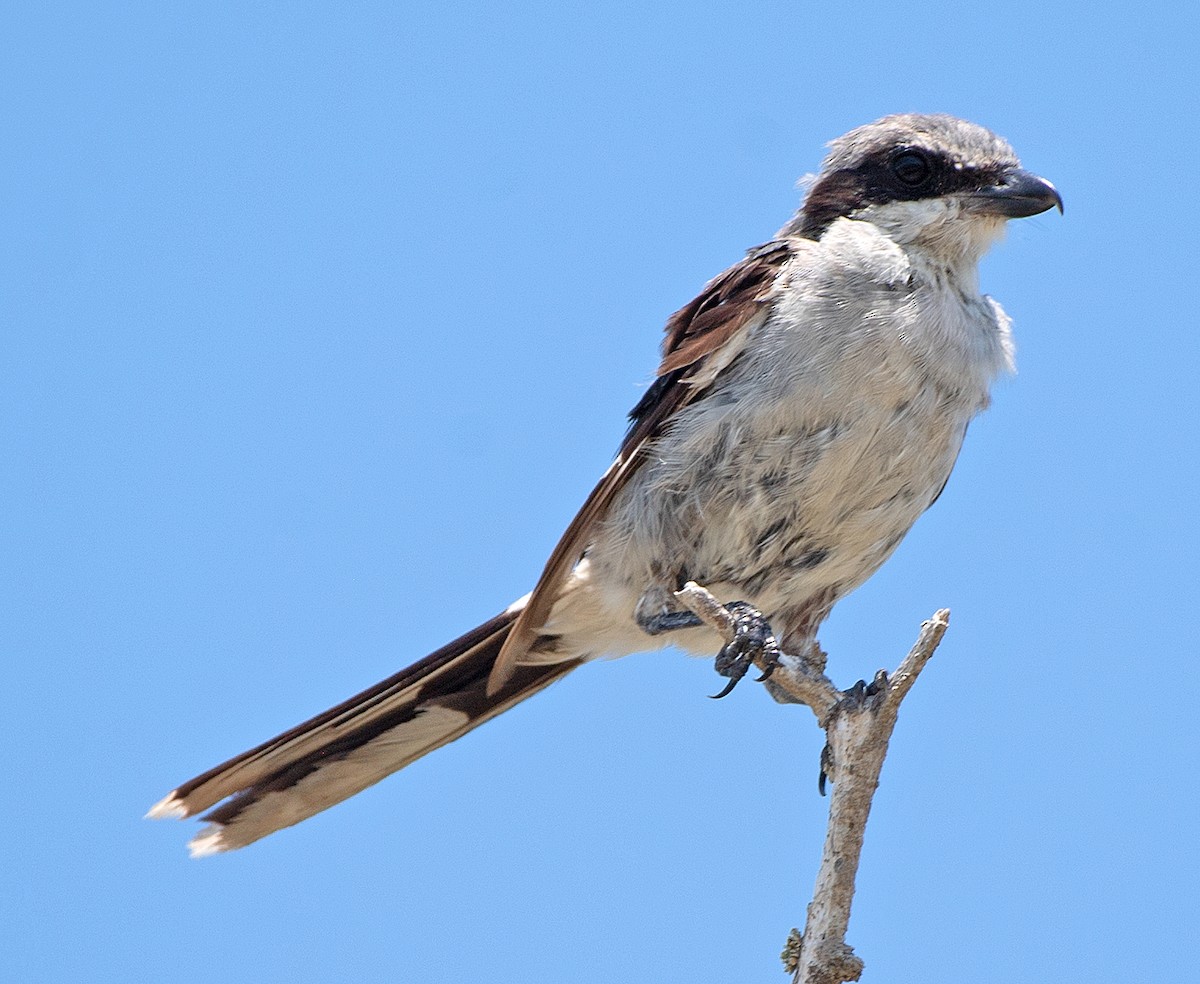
[{"x": 911, "y": 167}]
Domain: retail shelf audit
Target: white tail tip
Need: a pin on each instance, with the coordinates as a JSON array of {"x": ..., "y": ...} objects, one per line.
[
  {"x": 208, "y": 842},
  {"x": 170, "y": 808}
]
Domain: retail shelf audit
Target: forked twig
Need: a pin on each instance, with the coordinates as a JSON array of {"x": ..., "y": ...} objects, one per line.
[{"x": 858, "y": 725}]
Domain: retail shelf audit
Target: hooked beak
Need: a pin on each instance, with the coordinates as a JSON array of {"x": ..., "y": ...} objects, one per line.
[{"x": 1016, "y": 195}]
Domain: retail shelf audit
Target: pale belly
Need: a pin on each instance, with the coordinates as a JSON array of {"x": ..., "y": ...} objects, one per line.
[{"x": 787, "y": 515}]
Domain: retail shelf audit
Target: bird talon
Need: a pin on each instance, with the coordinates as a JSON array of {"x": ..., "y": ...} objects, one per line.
[
  {"x": 728, "y": 689},
  {"x": 752, "y": 640}
]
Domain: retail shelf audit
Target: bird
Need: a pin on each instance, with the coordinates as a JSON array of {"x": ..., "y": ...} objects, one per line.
[{"x": 809, "y": 406}]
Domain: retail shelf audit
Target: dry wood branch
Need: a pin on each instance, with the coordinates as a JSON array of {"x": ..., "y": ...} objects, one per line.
[
  {"x": 793, "y": 674},
  {"x": 858, "y": 725}
]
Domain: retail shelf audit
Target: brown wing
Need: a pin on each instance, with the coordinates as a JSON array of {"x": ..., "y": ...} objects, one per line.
[{"x": 701, "y": 340}]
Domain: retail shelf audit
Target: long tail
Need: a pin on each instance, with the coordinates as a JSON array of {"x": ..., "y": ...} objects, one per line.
[{"x": 352, "y": 746}]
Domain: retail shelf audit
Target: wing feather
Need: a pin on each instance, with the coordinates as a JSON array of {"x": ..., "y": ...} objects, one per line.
[{"x": 702, "y": 339}]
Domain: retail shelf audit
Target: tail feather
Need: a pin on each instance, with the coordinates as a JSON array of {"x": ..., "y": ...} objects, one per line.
[{"x": 362, "y": 740}]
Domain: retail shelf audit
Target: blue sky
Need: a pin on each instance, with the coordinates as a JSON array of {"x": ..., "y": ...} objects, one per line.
[{"x": 321, "y": 319}]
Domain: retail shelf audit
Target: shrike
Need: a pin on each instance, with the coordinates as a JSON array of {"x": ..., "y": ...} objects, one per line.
[{"x": 809, "y": 406}]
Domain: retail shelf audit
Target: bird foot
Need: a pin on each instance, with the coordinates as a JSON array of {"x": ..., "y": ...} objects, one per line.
[
  {"x": 752, "y": 640},
  {"x": 862, "y": 694}
]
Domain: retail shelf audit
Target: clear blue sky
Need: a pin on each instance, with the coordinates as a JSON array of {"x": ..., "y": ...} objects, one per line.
[{"x": 320, "y": 320}]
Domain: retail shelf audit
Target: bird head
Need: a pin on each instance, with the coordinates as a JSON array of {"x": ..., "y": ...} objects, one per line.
[{"x": 930, "y": 182}]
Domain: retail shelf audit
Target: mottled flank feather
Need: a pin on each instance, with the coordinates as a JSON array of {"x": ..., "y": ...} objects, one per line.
[{"x": 705, "y": 331}]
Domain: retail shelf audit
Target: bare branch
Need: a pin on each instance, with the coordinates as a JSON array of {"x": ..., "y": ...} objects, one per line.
[
  {"x": 858, "y": 726},
  {"x": 706, "y": 607},
  {"x": 795, "y": 675}
]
